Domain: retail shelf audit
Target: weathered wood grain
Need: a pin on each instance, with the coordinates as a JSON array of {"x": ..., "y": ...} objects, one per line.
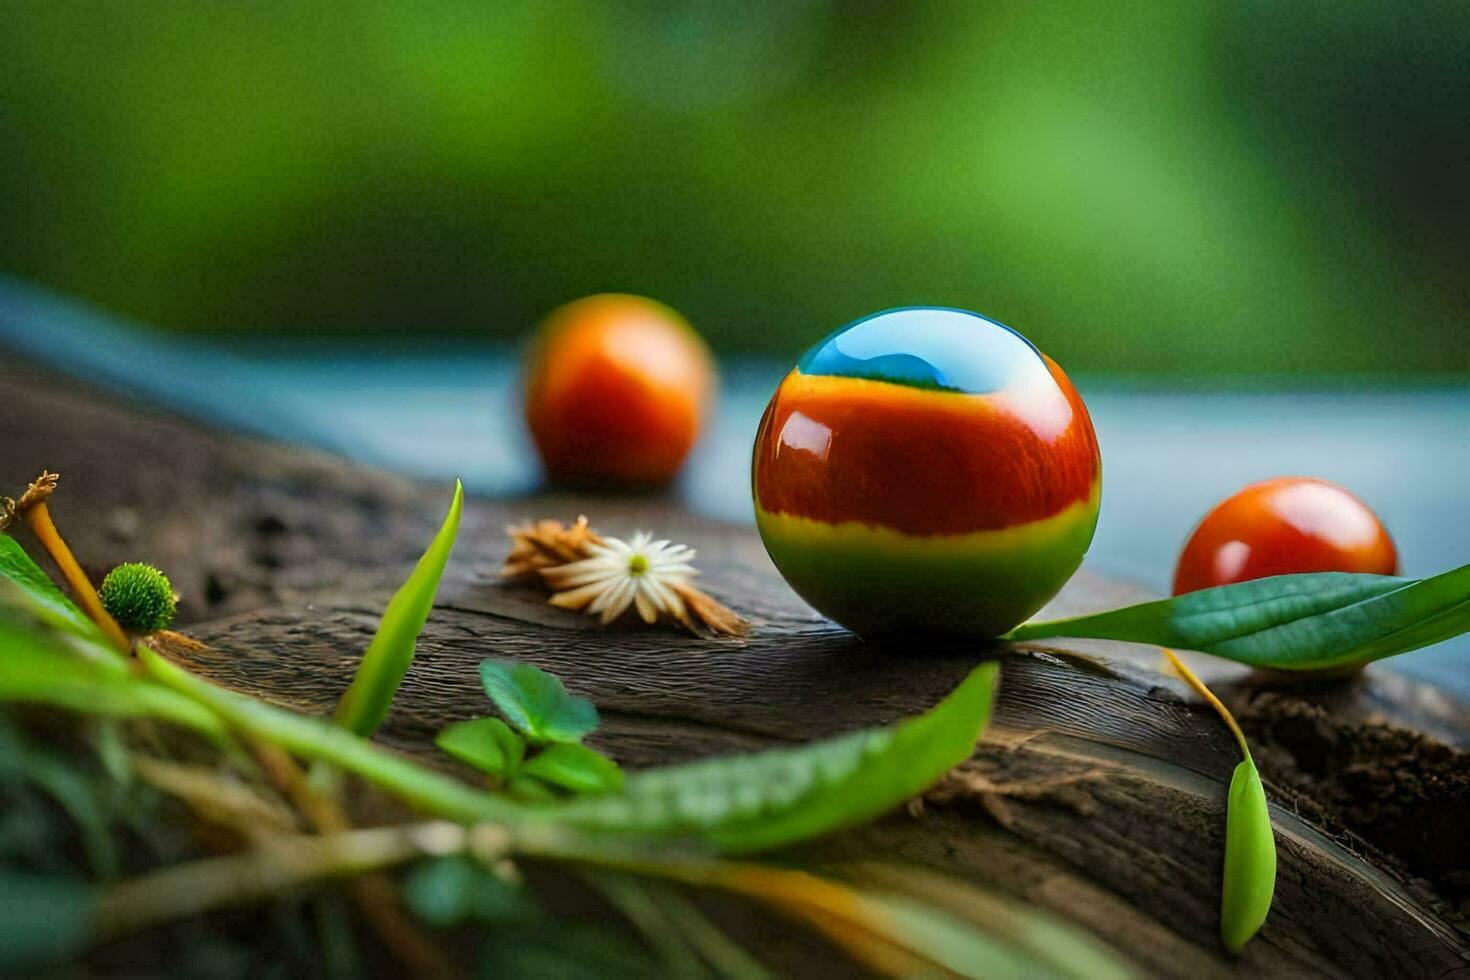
[{"x": 1098, "y": 792}]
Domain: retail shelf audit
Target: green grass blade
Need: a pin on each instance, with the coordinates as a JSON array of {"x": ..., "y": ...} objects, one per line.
[
  {"x": 1250, "y": 858},
  {"x": 769, "y": 799},
  {"x": 1289, "y": 622},
  {"x": 365, "y": 703}
]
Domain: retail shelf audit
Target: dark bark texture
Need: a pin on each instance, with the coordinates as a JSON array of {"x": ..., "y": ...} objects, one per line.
[{"x": 1097, "y": 793}]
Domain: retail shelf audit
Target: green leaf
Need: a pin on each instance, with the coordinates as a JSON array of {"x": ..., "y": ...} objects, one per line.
[
  {"x": 365, "y": 704},
  {"x": 1289, "y": 622},
  {"x": 769, "y": 799},
  {"x": 44, "y": 921},
  {"x": 38, "y": 594},
  {"x": 450, "y": 890},
  {"x": 488, "y": 744},
  {"x": 536, "y": 703},
  {"x": 575, "y": 767},
  {"x": 1250, "y": 858}
]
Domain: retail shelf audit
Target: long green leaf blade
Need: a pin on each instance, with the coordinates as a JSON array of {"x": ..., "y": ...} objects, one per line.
[
  {"x": 365, "y": 703},
  {"x": 769, "y": 799},
  {"x": 1289, "y": 622}
]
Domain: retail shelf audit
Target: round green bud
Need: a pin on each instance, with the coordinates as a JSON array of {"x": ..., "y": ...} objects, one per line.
[{"x": 139, "y": 597}]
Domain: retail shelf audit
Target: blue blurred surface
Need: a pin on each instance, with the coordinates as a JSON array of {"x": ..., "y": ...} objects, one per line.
[{"x": 450, "y": 409}]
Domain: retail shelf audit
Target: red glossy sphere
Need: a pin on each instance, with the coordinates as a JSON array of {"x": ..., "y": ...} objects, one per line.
[{"x": 1282, "y": 527}]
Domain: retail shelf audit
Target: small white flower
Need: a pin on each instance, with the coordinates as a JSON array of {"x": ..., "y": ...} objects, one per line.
[{"x": 643, "y": 573}]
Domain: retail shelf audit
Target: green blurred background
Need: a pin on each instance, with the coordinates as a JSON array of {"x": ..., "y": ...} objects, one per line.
[{"x": 1160, "y": 187}]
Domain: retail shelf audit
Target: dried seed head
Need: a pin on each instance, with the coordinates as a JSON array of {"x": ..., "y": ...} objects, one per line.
[{"x": 41, "y": 488}]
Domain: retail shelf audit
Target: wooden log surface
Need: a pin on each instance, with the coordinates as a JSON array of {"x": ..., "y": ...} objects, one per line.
[{"x": 1097, "y": 793}]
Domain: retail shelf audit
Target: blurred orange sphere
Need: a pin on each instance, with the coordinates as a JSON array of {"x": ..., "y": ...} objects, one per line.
[
  {"x": 1282, "y": 527},
  {"x": 617, "y": 389}
]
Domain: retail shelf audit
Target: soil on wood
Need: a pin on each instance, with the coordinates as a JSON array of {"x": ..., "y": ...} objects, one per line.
[{"x": 1403, "y": 794}]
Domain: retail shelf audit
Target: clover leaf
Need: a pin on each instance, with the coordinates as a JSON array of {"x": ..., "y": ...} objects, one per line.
[
  {"x": 488, "y": 744},
  {"x": 536, "y": 703}
]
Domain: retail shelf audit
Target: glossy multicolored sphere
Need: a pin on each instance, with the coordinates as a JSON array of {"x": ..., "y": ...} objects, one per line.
[
  {"x": 926, "y": 470},
  {"x": 1282, "y": 527}
]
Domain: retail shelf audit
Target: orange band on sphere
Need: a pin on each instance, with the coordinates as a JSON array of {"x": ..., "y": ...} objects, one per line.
[{"x": 921, "y": 461}]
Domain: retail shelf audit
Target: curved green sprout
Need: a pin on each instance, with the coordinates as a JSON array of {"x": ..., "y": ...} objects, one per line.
[
  {"x": 139, "y": 597},
  {"x": 365, "y": 704},
  {"x": 1250, "y": 846}
]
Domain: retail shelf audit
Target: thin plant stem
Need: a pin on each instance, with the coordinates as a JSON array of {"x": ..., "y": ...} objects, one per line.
[
  {"x": 38, "y": 517},
  {"x": 186, "y": 890},
  {"x": 1209, "y": 696}
]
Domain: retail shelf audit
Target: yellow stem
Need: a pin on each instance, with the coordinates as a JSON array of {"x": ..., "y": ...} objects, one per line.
[
  {"x": 1208, "y": 695},
  {"x": 39, "y": 519}
]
